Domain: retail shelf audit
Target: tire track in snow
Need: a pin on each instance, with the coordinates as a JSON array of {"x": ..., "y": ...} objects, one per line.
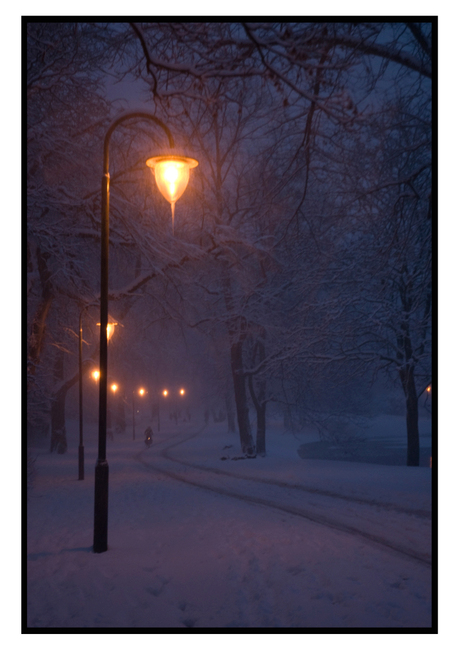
[
  {"x": 312, "y": 515},
  {"x": 423, "y": 514}
]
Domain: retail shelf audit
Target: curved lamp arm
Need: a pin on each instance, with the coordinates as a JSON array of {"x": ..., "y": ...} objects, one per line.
[{"x": 129, "y": 116}]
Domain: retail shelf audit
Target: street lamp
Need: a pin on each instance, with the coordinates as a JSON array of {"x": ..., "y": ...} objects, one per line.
[
  {"x": 141, "y": 393},
  {"x": 81, "y": 449},
  {"x": 110, "y": 328},
  {"x": 165, "y": 394},
  {"x": 114, "y": 388},
  {"x": 101, "y": 488}
]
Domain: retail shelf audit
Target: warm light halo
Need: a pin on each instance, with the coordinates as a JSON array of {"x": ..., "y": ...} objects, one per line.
[
  {"x": 114, "y": 387},
  {"x": 171, "y": 174},
  {"x": 165, "y": 393},
  {"x": 110, "y": 328},
  {"x": 141, "y": 391},
  {"x": 96, "y": 374}
]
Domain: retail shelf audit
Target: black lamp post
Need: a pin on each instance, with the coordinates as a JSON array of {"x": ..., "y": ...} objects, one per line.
[
  {"x": 158, "y": 403},
  {"x": 81, "y": 449},
  {"x": 171, "y": 174},
  {"x": 134, "y": 419},
  {"x": 164, "y": 393}
]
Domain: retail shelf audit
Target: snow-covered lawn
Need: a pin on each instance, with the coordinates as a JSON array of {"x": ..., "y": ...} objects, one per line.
[{"x": 199, "y": 540}]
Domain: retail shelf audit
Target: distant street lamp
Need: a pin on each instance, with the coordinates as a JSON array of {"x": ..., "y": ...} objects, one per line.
[
  {"x": 81, "y": 449},
  {"x": 110, "y": 328},
  {"x": 174, "y": 185},
  {"x": 114, "y": 388},
  {"x": 141, "y": 393},
  {"x": 165, "y": 394}
]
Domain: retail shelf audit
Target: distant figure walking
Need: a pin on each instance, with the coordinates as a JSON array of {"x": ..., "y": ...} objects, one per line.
[{"x": 148, "y": 436}]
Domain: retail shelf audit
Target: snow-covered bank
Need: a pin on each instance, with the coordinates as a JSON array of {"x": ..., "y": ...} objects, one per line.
[{"x": 184, "y": 557}]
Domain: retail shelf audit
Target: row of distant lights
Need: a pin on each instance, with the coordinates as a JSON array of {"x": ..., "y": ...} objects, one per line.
[
  {"x": 165, "y": 393},
  {"x": 114, "y": 387}
]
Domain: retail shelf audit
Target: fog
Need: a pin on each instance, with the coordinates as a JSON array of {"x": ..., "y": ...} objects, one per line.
[{"x": 294, "y": 291}]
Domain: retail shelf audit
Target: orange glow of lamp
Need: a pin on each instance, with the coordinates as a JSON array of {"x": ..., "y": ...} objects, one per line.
[
  {"x": 171, "y": 175},
  {"x": 110, "y": 328}
]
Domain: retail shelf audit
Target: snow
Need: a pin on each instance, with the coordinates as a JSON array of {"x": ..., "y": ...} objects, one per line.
[{"x": 198, "y": 540}]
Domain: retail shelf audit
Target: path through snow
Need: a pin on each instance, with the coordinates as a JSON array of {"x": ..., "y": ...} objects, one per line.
[{"x": 181, "y": 556}]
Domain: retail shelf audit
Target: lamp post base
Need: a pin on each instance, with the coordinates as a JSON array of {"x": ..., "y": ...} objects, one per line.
[
  {"x": 101, "y": 505},
  {"x": 81, "y": 462}
]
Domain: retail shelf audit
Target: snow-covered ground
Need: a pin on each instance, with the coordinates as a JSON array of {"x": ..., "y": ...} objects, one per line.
[{"x": 198, "y": 540}]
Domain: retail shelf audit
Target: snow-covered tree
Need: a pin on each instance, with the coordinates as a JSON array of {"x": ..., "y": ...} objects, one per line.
[{"x": 302, "y": 238}]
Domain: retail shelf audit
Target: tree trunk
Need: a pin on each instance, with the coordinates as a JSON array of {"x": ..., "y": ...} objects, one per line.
[
  {"x": 413, "y": 441},
  {"x": 260, "y": 406},
  {"x": 242, "y": 410},
  {"x": 288, "y": 422},
  {"x": 260, "y": 438},
  {"x": 230, "y": 413},
  {"x": 58, "y": 431},
  {"x": 120, "y": 419},
  {"x": 38, "y": 329},
  {"x": 259, "y": 399}
]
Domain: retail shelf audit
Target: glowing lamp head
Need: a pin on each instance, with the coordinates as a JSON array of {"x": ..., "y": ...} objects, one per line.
[
  {"x": 114, "y": 387},
  {"x": 141, "y": 392},
  {"x": 171, "y": 175},
  {"x": 165, "y": 393},
  {"x": 110, "y": 328},
  {"x": 182, "y": 392},
  {"x": 96, "y": 374}
]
